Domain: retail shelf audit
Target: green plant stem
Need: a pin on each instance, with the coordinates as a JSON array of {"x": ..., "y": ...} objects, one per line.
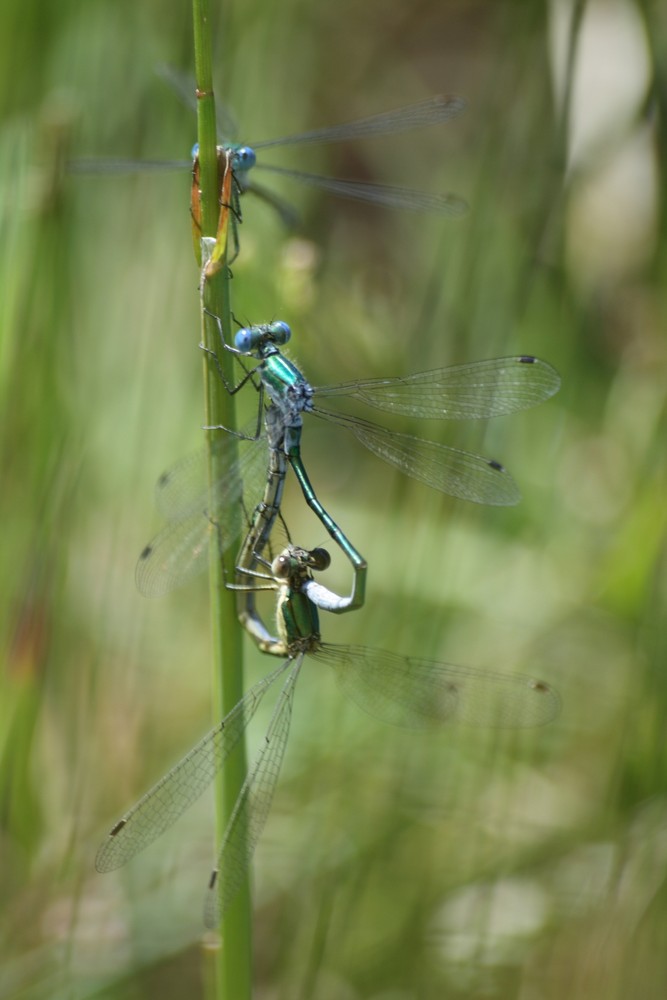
[{"x": 233, "y": 956}]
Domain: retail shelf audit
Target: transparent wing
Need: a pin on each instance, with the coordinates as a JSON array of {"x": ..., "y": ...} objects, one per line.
[
  {"x": 432, "y": 111},
  {"x": 457, "y": 473},
  {"x": 184, "y": 86},
  {"x": 406, "y": 691},
  {"x": 179, "y": 552},
  {"x": 460, "y": 392},
  {"x": 252, "y": 807},
  {"x": 377, "y": 194},
  {"x": 170, "y": 797},
  {"x": 117, "y": 165},
  {"x": 183, "y": 488}
]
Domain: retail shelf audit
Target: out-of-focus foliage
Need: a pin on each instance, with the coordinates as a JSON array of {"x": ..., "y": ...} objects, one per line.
[{"x": 394, "y": 864}]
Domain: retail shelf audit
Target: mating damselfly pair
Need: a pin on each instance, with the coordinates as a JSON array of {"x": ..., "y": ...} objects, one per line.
[{"x": 402, "y": 690}]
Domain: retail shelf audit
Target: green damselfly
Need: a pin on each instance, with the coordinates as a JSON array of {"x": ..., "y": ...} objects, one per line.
[
  {"x": 474, "y": 390},
  {"x": 404, "y": 691},
  {"x": 480, "y": 389}
]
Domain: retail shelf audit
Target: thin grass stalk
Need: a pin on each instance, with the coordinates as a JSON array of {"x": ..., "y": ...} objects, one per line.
[{"x": 232, "y": 975}]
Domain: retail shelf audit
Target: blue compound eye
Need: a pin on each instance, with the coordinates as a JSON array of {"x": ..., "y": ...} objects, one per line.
[
  {"x": 244, "y": 158},
  {"x": 280, "y": 332},
  {"x": 245, "y": 339},
  {"x": 194, "y": 152}
]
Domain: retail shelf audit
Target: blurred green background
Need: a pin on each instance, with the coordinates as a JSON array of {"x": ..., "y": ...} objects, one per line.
[{"x": 394, "y": 865}]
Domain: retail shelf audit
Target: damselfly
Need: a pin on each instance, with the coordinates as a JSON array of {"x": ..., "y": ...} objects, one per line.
[
  {"x": 475, "y": 390},
  {"x": 405, "y": 691},
  {"x": 242, "y": 160},
  {"x": 478, "y": 389}
]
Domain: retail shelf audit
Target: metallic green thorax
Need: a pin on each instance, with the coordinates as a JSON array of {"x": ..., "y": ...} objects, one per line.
[
  {"x": 279, "y": 375},
  {"x": 297, "y": 621},
  {"x": 297, "y": 618}
]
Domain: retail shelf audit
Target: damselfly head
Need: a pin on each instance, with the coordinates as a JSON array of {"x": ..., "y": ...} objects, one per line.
[
  {"x": 251, "y": 339},
  {"x": 294, "y": 563},
  {"x": 243, "y": 158}
]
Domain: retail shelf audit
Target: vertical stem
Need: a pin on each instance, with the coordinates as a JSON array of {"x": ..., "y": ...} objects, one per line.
[{"x": 233, "y": 954}]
